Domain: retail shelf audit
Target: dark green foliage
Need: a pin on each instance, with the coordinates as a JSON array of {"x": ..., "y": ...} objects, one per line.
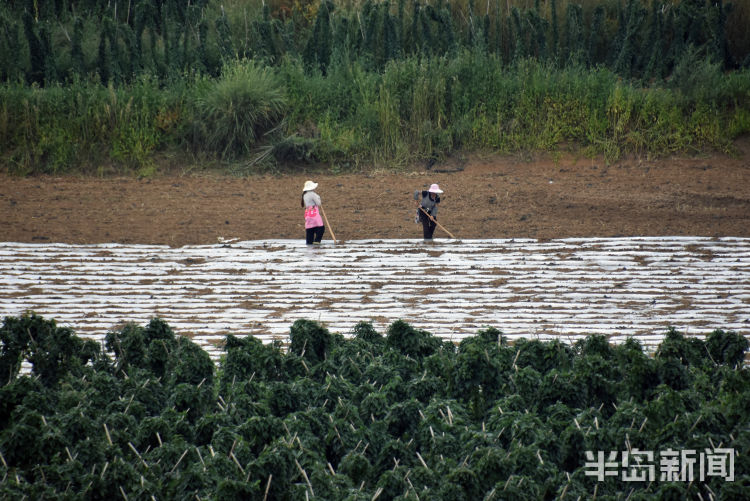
[
  {"x": 684, "y": 350},
  {"x": 627, "y": 46},
  {"x": 248, "y": 357},
  {"x": 36, "y": 51},
  {"x": 317, "y": 53},
  {"x": 224, "y": 35},
  {"x": 103, "y": 60},
  {"x": 52, "y": 351},
  {"x": 544, "y": 356},
  {"x": 575, "y": 37},
  {"x": 197, "y": 37},
  {"x": 309, "y": 340},
  {"x": 727, "y": 347},
  {"x": 371, "y": 416},
  {"x": 194, "y": 367},
  {"x": 50, "y": 66},
  {"x": 654, "y": 57},
  {"x": 10, "y": 46},
  {"x": 696, "y": 78},
  {"x": 596, "y": 36},
  {"x": 479, "y": 371},
  {"x": 597, "y": 380},
  {"x": 539, "y": 44},
  {"x": 271, "y": 44},
  {"x": 410, "y": 341},
  {"x": 76, "y": 51},
  {"x": 366, "y": 332},
  {"x": 555, "y": 29},
  {"x": 642, "y": 373},
  {"x": 131, "y": 54},
  {"x": 147, "y": 348},
  {"x": 519, "y": 31},
  {"x": 115, "y": 56}
]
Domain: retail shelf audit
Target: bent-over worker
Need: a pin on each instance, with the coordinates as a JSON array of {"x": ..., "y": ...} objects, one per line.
[{"x": 427, "y": 201}]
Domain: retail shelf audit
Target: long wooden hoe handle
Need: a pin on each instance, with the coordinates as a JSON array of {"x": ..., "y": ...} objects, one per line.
[
  {"x": 435, "y": 221},
  {"x": 328, "y": 224}
]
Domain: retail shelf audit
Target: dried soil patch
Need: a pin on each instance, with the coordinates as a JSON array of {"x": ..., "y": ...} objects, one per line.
[{"x": 490, "y": 197}]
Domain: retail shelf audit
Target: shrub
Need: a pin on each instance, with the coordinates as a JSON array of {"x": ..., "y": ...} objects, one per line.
[
  {"x": 52, "y": 351},
  {"x": 366, "y": 419},
  {"x": 727, "y": 347},
  {"x": 310, "y": 340},
  {"x": 236, "y": 111}
]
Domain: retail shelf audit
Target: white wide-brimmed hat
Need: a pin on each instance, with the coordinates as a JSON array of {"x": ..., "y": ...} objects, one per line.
[
  {"x": 435, "y": 189},
  {"x": 309, "y": 185}
]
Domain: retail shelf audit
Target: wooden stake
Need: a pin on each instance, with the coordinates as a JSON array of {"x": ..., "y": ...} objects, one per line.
[
  {"x": 268, "y": 486},
  {"x": 200, "y": 456},
  {"x": 132, "y": 447},
  {"x": 106, "y": 431},
  {"x": 178, "y": 461},
  {"x": 304, "y": 474},
  {"x": 328, "y": 224},
  {"x": 234, "y": 458},
  {"x": 643, "y": 424}
]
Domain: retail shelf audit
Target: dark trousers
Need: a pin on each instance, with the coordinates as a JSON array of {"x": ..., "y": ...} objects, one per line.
[
  {"x": 428, "y": 226},
  {"x": 314, "y": 234}
]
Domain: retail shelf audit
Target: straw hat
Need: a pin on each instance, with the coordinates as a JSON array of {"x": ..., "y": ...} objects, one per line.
[
  {"x": 435, "y": 189},
  {"x": 309, "y": 185}
]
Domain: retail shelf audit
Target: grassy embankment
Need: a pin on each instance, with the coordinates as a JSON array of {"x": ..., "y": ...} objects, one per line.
[{"x": 376, "y": 84}]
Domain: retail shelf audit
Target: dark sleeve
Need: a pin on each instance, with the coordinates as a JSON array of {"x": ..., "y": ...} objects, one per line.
[{"x": 437, "y": 199}]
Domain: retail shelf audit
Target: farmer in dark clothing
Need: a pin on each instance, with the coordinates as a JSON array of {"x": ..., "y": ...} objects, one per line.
[{"x": 427, "y": 202}]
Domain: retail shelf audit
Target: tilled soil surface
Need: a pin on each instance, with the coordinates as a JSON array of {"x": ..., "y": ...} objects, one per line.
[{"x": 485, "y": 197}]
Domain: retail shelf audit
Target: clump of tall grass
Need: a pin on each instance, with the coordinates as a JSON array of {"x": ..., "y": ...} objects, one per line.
[{"x": 234, "y": 112}]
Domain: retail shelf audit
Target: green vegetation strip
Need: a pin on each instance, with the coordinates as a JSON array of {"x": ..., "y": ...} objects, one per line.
[
  {"x": 397, "y": 416},
  {"x": 136, "y": 87}
]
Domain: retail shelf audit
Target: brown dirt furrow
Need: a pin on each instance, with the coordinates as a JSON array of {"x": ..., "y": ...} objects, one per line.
[{"x": 492, "y": 197}]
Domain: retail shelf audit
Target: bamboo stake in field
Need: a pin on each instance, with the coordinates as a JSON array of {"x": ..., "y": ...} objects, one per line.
[
  {"x": 435, "y": 221},
  {"x": 328, "y": 224}
]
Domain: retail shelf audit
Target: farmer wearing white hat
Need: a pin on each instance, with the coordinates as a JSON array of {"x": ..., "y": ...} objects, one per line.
[
  {"x": 427, "y": 201},
  {"x": 313, "y": 221}
]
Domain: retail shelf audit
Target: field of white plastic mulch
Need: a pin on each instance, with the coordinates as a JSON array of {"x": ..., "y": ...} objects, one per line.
[{"x": 563, "y": 289}]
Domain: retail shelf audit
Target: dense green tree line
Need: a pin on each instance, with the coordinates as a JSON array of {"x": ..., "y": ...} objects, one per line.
[
  {"x": 116, "y": 41},
  {"x": 403, "y": 415}
]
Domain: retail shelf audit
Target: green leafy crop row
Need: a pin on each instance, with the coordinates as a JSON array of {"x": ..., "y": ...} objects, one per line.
[{"x": 403, "y": 415}]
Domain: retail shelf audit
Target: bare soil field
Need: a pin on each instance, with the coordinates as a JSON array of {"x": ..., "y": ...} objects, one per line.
[{"x": 486, "y": 196}]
